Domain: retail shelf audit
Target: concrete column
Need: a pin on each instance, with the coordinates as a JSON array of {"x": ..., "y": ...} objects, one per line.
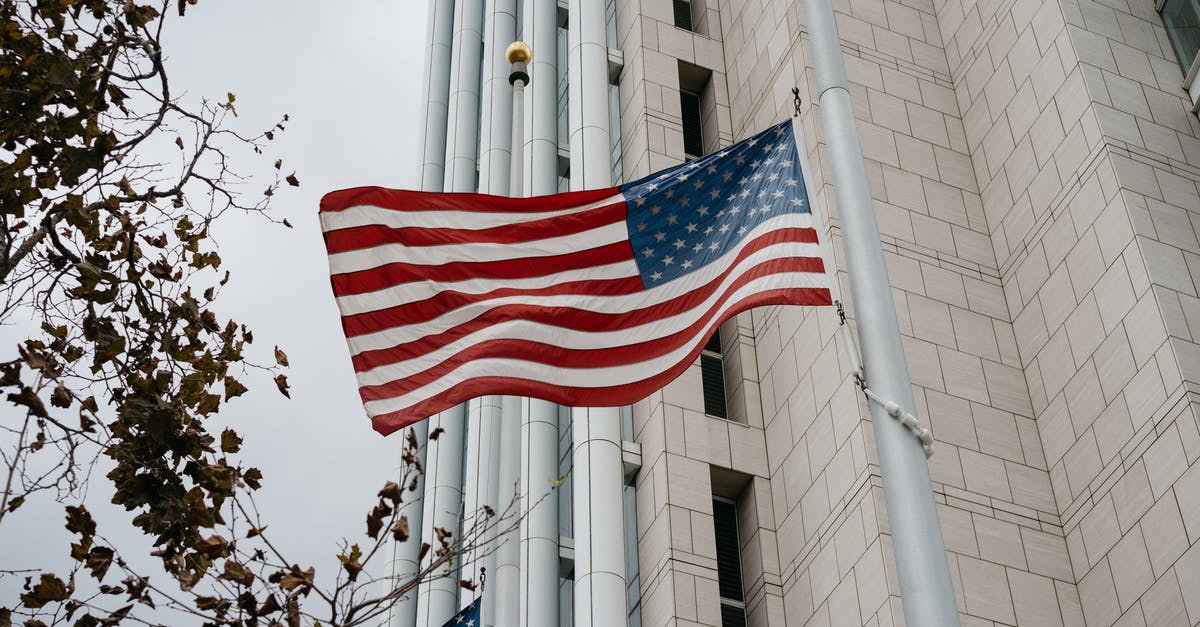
[
  {"x": 599, "y": 523},
  {"x": 462, "y": 126},
  {"x": 480, "y": 485},
  {"x": 404, "y": 554},
  {"x": 539, "y": 529},
  {"x": 541, "y": 109},
  {"x": 506, "y": 581},
  {"x": 596, "y": 432},
  {"x": 587, "y": 94},
  {"x": 439, "y": 30},
  {"x": 495, "y": 120},
  {"x": 437, "y": 601}
]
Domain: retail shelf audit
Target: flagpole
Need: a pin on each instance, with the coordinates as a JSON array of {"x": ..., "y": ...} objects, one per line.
[{"x": 925, "y": 586}]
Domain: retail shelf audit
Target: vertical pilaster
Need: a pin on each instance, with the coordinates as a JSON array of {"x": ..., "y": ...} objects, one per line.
[
  {"x": 541, "y": 111},
  {"x": 506, "y": 583},
  {"x": 462, "y": 126},
  {"x": 596, "y": 432},
  {"x": 434, "y": 108},
  {"x": 404, "y": 554},
  {"x": 539, "y": 528},
  {"x": 434, "y": 111},
  {"x": 496, "y": 112},
  {"x": 437, "y": 600}
]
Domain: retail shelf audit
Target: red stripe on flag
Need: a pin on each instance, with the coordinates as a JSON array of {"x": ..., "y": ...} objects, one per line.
[
  {"x": 579, "y": 396},
  {"x": 393, "y": 274},
  {"x": 430, "y": 308},
  {"x": 406, "y": 200},
  {"x": 577, "y": 320},
  {"x": 423, "y": 311},
  {"x": 360, "y": 237}
]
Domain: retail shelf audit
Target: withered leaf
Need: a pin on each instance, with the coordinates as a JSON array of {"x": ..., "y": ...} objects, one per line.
[
  {"x": 281, "y": 382},
  {"x": 392, "y": 492},
  {"x": 400, "y": 530},
  {"x": 280, "y": 357},
  {"x": 292, "y": 180}
]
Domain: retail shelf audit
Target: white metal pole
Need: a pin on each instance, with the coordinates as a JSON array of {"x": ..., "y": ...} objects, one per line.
[
  {"x": 925, "y": 585},
  {"x": 508, "y": 573}
]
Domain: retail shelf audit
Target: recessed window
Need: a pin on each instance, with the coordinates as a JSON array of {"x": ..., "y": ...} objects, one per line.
[
  {"x": 683, "y": 14},
  {"x": 1182, "y": 19},
  {"x": 712, "y": 372},
  {"x": 729, "y": 563},
  {"x": 693, "y": 129},
  {"x": 696, "y": 106}
]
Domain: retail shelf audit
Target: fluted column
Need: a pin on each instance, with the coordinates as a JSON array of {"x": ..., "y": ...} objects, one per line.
[
  {"x": 440, "y": 34},
  {"x": 437, "y": 600},
  {"x": 495, "y": 120},
  {"x": 596, "y": 440},
  {"x": 506, "y": 582},
  {"x": 539, "y": 529},
  {"x": 462, "y": 127},
  {"x": 541, "y": 109},
  {"x": 404, "y": 554},
  {"x": 495, "y": 144}
]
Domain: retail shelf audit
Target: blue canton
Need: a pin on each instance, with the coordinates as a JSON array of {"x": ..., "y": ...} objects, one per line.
[
  {"x": 468, "y": 616},
  {"x": 685, "y": 217}
]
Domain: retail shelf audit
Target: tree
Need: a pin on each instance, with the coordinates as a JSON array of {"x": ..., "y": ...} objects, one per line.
[{"x": 107, "y": 249}]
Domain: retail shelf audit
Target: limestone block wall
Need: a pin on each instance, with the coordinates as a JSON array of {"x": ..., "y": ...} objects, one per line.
[
  {"x": 1033, "y": 170},
  {"x": 1085, "y": 153}
]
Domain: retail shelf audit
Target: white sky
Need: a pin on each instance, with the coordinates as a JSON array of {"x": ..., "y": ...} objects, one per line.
[{"x": 349, "y": 74}]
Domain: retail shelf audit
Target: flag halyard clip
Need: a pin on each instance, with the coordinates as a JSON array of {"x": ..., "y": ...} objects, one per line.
[
  {"x": 796, "y": 101},
  {"x": 894, "y": 410}
]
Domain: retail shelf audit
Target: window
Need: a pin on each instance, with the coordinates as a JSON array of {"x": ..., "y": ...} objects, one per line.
[
  {"x": 693, "y": 132},
  {"x": 683, "y": 14},
  {"x": 1182, "y": 19},
  {"x": 729, "y": 565},
  {"x": 697, "y": 104},
  {"x": 712, "y": 373}
]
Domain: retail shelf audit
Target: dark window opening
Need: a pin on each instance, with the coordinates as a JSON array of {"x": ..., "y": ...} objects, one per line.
[
  {"x": 683, "y": 14},
  {"x": 693, "y": 130},
  {"x": 712, "y": 373},
  {"x": 729, "y": 565}
]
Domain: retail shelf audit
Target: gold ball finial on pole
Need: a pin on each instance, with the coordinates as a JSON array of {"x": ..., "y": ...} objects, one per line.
[{"x": 518, "y": 52}]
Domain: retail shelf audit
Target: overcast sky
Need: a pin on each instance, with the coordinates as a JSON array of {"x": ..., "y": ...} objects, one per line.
[{"x": 349, "y": 74}]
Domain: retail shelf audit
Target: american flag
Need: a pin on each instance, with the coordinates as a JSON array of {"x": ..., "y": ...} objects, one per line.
[
  {"x": 591, "y": 298},
  {"x": 468, "y": 616}
]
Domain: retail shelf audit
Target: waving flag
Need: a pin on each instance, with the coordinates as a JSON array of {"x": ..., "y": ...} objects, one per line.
[
  {"x": 592, "y": 298},
  {"x": 468, "y": 616}
]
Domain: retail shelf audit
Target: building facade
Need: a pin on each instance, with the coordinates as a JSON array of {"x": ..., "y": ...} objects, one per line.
[{"x": 1034, "y": 168}]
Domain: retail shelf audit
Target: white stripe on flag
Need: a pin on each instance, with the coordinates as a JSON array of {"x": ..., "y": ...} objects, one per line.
[
  {"x": 569, "y": 339},
  {"x": 597, "y": 304},
  {"x": 405, "y": 293},
  {"x": 370, "y": 215},
  {"x": 367, "y": 258},
  {"x": 624, "y": 374},
  {"x": 417, "y": 291}
]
